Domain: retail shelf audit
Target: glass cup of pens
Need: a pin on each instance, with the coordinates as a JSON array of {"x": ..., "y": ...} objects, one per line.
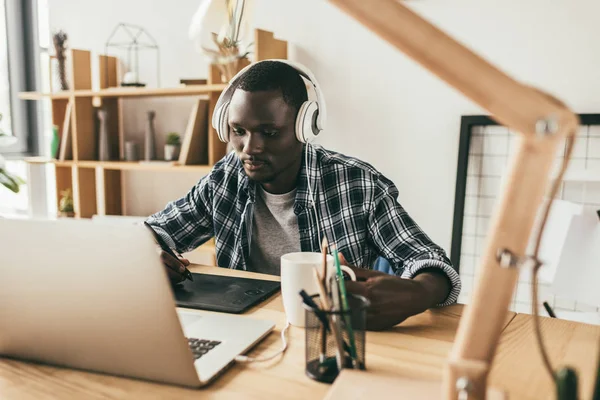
[{"x": 335, "y": 336}]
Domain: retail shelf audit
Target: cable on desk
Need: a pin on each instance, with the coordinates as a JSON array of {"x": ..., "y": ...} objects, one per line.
[
  {"x": 534, "y": 280},
  {"x": 247, "y": 359}
]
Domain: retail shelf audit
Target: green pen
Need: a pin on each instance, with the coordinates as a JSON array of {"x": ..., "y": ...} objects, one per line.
[{"x": 345, "y": 307}]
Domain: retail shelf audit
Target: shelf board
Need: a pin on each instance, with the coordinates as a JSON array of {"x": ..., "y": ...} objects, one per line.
[
  {"x": 121, "y": 165},
  {"x": 189, "y": 90},
  {"x": 39, "y": 96}
]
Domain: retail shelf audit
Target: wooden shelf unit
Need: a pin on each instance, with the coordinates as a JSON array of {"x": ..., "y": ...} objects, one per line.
[{"x": 98, "y": 186}]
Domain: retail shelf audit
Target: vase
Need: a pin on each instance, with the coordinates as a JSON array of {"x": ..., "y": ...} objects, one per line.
[
  {"x": 55, "y": 143},
  {"x": 131, "y": 151},
  {"x": 171, "y": 152},
  {"x": 149, "y": 139},
  {"x": 61, "y": 71},
  {"x": 103, "y": 145},
  {"x": 228, "y": 70}
]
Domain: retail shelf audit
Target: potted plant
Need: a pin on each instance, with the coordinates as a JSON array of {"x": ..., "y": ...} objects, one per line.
[
  {"x": 60, "y": 47},
  {"x": 8, "y": 180},
  {"x": 218, "y": 28},
  {"x": 65, "y": 205},
  {"x": 172, "y": 146}
]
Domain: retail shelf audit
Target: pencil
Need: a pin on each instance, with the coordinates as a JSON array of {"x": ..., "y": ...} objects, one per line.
[
  {"x": 337, "y": 335},
  {"x": 324, "y": 245},
  {"x": 322, "y": 277}
]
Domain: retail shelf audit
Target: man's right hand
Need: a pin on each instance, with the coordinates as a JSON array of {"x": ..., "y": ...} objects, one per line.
[{"x": 172, "y": 265}]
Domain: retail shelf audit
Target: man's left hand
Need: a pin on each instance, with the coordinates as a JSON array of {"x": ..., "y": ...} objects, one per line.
[{"x": 394, "y": 299}]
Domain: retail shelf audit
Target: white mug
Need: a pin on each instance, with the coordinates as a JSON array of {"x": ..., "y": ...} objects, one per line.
[{"x": 297, "y": 274}]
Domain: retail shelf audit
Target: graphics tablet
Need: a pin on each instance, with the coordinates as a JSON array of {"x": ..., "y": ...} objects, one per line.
[{"x": 227, "y": 294}]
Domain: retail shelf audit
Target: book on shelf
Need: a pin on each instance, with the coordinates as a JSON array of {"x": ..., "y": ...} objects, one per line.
[
  {"x": 66, "y": 144},
  {"x": 194, "y": 148}
]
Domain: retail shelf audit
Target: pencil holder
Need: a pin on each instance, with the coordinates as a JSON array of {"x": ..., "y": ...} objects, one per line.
[{"x": 330, "y": 344}]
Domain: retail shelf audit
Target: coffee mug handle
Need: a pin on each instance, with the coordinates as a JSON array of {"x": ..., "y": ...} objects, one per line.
[
  {"x": 344, "y": 268},
  {"x": 349, "y": 271}
]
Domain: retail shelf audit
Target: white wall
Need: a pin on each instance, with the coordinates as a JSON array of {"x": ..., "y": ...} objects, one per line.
[{"x": 89, "y": 24}]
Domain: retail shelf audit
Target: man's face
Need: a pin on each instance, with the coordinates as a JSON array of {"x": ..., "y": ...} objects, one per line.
[{"x": 262, "y": 132}]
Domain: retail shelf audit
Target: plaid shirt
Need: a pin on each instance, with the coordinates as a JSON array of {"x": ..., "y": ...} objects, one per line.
[{"x": 357, "y": 209}]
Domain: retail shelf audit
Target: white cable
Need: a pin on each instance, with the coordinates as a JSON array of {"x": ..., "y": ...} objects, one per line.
[
  {"x": 312, "y": 199},
  {"x": 247, "y": 359}
]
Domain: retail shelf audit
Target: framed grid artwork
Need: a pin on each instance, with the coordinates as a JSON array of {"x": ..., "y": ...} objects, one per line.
[{"x": 485, "y": 149}]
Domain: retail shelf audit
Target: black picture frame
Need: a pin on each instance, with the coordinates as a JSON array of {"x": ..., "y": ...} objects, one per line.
[{"x": 467, "y": 123}]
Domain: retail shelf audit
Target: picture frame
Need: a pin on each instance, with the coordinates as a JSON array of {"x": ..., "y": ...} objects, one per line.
[{"x": 469, "y": 124}]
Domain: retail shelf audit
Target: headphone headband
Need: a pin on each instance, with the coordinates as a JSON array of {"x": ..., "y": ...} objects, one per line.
[{"x": 227, "y": 94}]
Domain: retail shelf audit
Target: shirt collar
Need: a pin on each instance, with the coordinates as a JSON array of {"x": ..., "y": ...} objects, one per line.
[
  {"x": 303, "y": 198},
  {"x": 244, "y": 184}
]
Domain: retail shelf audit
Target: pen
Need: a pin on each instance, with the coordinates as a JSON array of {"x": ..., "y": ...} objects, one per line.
[
  {"x": 163, "y": 245},
  {"x": 549, "y": 310}
]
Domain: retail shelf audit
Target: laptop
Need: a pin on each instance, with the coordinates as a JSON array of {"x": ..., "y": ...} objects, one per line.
[{"x": 96, "y": 297}]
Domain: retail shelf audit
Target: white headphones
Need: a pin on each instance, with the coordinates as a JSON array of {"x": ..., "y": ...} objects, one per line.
[{"x": 311, "y": 115}]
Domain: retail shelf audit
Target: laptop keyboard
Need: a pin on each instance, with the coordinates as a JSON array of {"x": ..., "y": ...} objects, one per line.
[{"x": 201, "y": 346}]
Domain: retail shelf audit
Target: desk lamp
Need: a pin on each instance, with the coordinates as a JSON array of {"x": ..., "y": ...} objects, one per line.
[{"x": 543, "y": 123}]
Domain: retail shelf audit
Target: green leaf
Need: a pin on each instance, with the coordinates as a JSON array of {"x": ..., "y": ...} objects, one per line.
[{"x": 7, "y": 181}]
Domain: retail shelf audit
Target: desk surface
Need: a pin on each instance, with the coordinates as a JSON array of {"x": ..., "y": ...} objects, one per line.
[
  {"x": 417, "y": 348},
  {"x": 518, "y": 364}
]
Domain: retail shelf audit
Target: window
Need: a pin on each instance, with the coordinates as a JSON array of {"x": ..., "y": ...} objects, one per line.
[
  {"x": 4, "y": 77},
  {"x": 19, "y": 61}
]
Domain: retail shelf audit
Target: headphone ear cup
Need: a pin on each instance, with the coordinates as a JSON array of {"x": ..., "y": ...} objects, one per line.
[
  {"x": 306, "y": 129},
  {"x": 222, "y": 126}
]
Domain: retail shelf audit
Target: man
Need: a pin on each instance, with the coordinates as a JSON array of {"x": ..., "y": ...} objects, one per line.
[{"x": 257, "y": 203}]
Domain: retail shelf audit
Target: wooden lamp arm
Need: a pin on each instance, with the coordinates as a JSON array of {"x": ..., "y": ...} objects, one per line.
[{"x": 543, "y": 122}]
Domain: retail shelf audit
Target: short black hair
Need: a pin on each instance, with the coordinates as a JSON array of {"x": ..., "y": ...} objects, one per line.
[{"x": 274, "y": 75}]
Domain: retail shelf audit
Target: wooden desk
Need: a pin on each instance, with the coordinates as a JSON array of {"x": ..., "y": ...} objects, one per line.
[
  {"x": 518, "y": 365},
  {"x": 417, "y": 348}
]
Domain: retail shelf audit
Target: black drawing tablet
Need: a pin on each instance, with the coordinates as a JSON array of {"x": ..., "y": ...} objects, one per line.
[{"x": 227, "y": 294}]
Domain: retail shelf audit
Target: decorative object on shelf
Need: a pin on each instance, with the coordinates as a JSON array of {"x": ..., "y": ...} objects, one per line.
[
  {"x": 55, "y": 142},
  {"x": 131, "y": 151},
  {"x": 133, "y": 38},
  {"x": 172, "y": 146},
  {"x": 225, "y": 47},
  {"x": 103, "y": 145},
  {"x": 65, "y": 205},
  {"x": 149, "y": 139},
  {"x": 129, "y": 79},
  {"x": 60, "y": 47},
  {"x": 186, "y": 82},
  {"x": 8, "y": 180},
  {"x": 65, "y": 151}
]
